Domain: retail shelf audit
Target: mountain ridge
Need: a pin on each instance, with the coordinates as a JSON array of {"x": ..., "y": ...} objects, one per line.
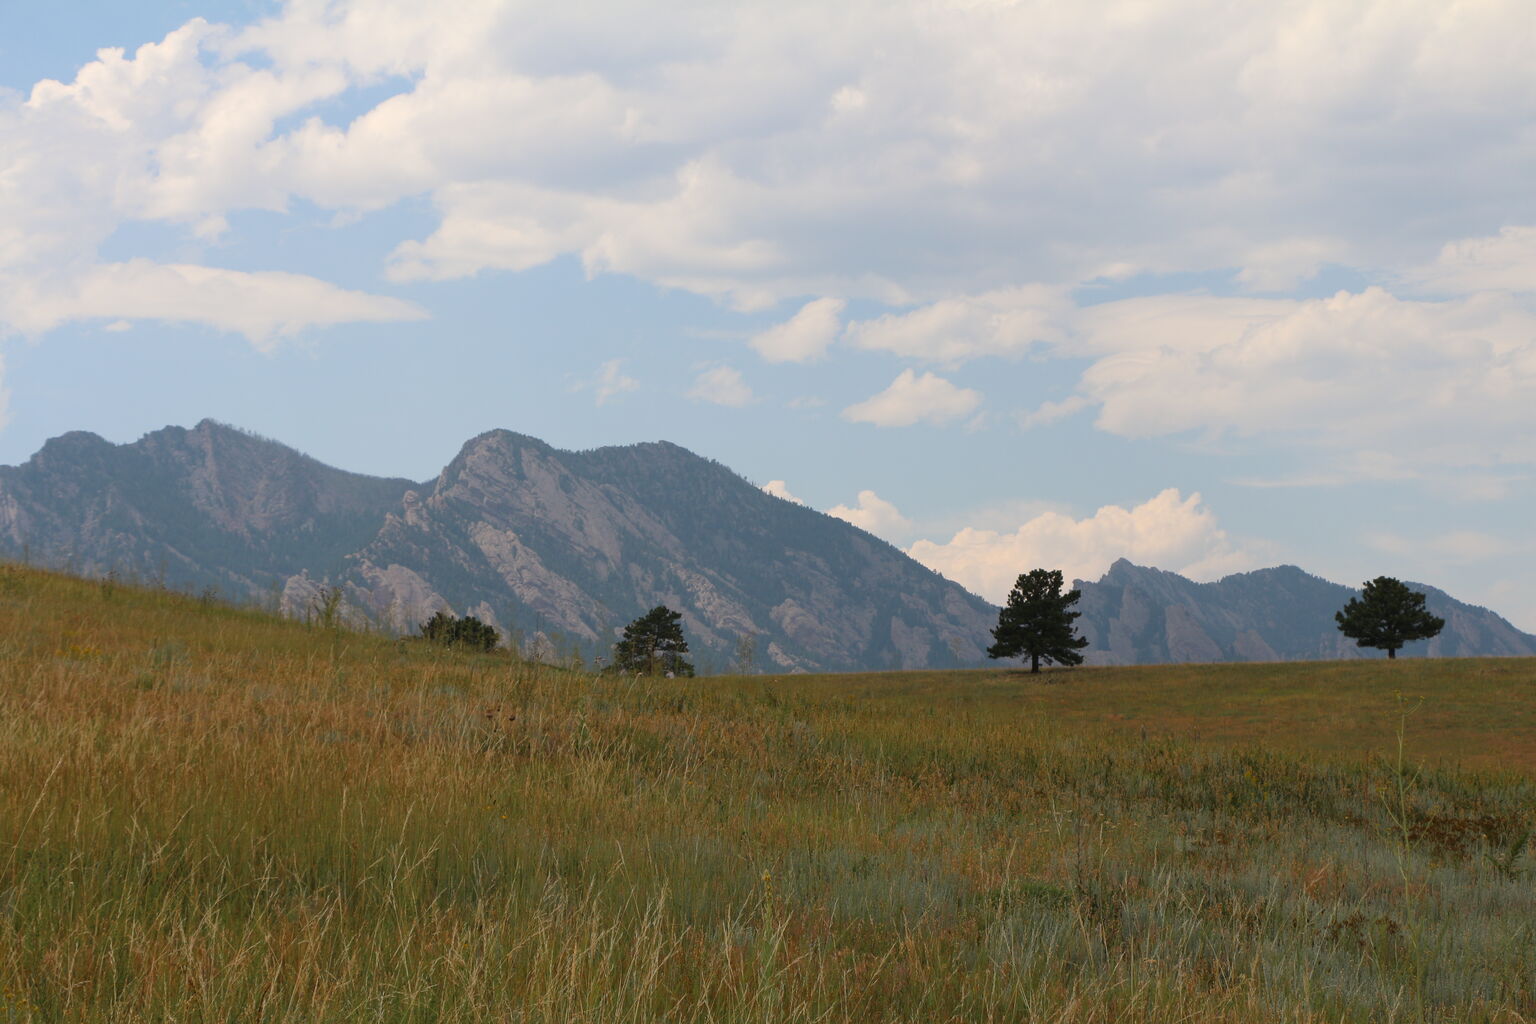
[
  {"x": 558, "y": 549},
  {"x": 1138, "y": 615}
]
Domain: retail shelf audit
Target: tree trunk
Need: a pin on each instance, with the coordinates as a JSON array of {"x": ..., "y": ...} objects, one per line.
[
  {"x": 1391, "y": 653},
  {"x": 1034, "y": 664}
]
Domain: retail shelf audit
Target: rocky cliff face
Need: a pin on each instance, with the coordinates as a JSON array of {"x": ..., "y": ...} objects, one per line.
[
  {"x": 559, "y": 549},
  {"x": 1135, "y": 615},
  {"x": 579, "y": 543}
]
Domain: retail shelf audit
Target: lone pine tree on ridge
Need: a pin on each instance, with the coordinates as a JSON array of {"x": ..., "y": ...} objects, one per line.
[
  {"x": 1387, "y": 614},
  {"x": 1037, "y": 621}
]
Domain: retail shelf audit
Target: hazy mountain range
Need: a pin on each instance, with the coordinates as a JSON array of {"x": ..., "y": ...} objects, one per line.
[
  {"x": 559, "y": 549},
  {"x": 1134, "y": 615}
]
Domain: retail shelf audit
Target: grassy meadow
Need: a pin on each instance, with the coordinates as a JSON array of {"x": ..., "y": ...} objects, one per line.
[{"x": 209, "y": 814}]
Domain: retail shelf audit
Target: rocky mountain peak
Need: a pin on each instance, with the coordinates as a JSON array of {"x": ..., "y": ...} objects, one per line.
[
  {"x": 75, "y": 444},
  {"x": 578, "y": 543}
]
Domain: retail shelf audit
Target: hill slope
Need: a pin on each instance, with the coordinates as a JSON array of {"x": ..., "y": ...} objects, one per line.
[{"x": 402, "y": 834}]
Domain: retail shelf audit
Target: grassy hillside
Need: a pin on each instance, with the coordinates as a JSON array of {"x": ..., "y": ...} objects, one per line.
[{"x": 210, "y": 815}]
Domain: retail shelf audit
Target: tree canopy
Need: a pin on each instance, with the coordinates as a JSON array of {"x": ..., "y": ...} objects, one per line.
[
  {"x": 1387, "y": 615},
  {"x": 444, "y": 628},
  {"x": 1037, "y": 622},
  {"x": 654, "y": 645}
]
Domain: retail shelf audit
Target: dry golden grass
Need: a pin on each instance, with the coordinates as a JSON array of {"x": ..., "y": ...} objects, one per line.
[{"x": 211, "y": 815}]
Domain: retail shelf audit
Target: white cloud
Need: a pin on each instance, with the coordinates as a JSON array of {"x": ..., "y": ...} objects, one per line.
[
  {"x": 1281, "y": 266},
  {"x": 1370, "y": 385},
  {"x": 1175, "y": 322},
  {"x": 780, "y": 150},
  {"x": 1050, "y": 412},
  {"x": 611, "y": 381},
  {"x": 167, "y": 133},
  {"x": 1443, "y": 383},
  {"x": 902, "y": 183},
  {"x": 1502, "y": 262},
  {"x": 912, "y": 399},
  {"x": 873, "y": 514},
  {"x": 721, "y": 385},
  {"x": 804, "y": 336},
  {"x": 1169, "y": 532},
  {"x": 263, "y": 306},
  {"x": 780, "y": 489},
  {"x": 1007, "y": 322}
]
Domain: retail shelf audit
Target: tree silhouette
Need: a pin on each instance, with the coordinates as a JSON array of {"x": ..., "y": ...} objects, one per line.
[
  {"x": 1387, "y": 615},
  {"x": 1037, "y": 621},
  {"x": 653, "y": 645}
]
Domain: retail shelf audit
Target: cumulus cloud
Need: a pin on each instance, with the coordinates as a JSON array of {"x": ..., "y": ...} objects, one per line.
[
  {"x": 1447, "y": 383},
  {"x": 1233, "y": 163},
  {"x": 873, "y": 514},
  {"x": 771, "y": 151},
  {"x": 168, "y": 133},
  {"x": 1502, "y": 262},
  {"x": 1050, "y": 412},
  {"x": 1168, "y": 532},
  {"x": 1383, "y": 386},
  {"x": 912, "y": 399},
  {"x": 780, "y": 489},
  {"x": 804, "y": 336},
  {"x": 721, "y": 385},
  {"x": 263, "y": 306},
  {"x": 1006, "y": 322},
  {"x": 611, "y": 381}
]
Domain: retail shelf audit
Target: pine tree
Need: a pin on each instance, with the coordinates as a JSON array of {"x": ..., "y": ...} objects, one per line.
[
  {"x": 1387, "y": 615},
  {"x": 445, "y": 629},
  {"x": 653, "y": 645},
  {"x": 1037, "y": 622}
]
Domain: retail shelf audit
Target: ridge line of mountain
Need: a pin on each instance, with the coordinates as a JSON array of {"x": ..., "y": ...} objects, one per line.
[{"x": 559, "y": 548}]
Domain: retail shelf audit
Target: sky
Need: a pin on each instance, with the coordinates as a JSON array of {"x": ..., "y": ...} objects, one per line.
[{"x": 1209, "y": 286}]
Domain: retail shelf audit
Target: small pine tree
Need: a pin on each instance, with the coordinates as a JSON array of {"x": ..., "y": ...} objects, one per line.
[
  {"x": 443, "y": 628},
  {"x": 1387, "y": 615},
  {"x": 1037, "y": 622},
  {"x": 653, "y": 645}
]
